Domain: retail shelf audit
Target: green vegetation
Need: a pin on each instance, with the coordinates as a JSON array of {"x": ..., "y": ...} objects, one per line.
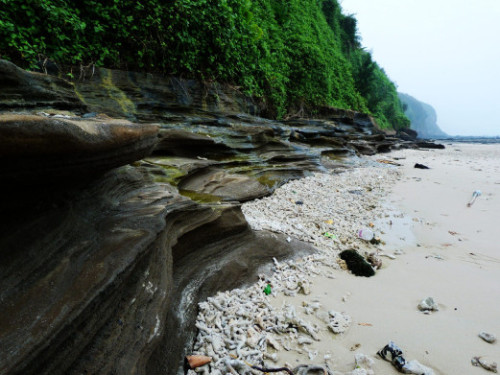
[{"x": 293, "y": 54}]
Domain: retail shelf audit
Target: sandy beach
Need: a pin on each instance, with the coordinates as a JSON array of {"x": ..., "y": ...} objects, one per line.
[
  {"x": 441, "y": 248},
  {"x": 463, "y": 277}
]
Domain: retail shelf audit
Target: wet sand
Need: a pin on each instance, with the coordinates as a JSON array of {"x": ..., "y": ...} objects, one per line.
[
  {"x": 451, "y": 252},
  {"x": 466, "y": 281}
]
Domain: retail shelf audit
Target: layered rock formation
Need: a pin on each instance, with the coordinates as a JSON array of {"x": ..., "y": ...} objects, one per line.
[
  {"x": 104, "y": 261},
  {"x": 21, "y": 89},
  {"x": 36, "y": 148}
]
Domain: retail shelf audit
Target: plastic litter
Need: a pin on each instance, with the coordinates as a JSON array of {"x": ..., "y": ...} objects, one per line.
[
  {"x": 309, "y": 370},
  {"x": 366, "y": 234},
  {"x": 475, "y": 194},
  {"x": 390, "y": 256},
  {"x": 356, "y": 191},
  {"x": 267, "y": 289},
  {"x": 392, "y": 353},
  {"x": 329, "y": 235}
]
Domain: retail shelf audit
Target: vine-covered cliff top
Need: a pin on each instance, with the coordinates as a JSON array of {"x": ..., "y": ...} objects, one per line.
[{"x": 294, "y": 55}]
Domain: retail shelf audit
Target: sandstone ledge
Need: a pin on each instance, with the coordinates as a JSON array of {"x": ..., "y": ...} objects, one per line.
[{"x": 37, "y": 149}]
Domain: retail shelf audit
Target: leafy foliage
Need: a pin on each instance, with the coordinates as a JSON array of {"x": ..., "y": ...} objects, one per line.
[{"x": 293, "y": 54}]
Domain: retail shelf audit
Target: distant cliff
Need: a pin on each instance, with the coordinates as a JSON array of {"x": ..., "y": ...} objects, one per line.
[{"x": 423, "y": 117}]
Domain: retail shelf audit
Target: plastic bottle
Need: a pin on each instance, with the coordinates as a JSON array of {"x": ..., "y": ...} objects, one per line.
[
  {"x": 475, "y": 194},
  {"x": 267, "y": 289},
  {"x": 366, "y": 234}
]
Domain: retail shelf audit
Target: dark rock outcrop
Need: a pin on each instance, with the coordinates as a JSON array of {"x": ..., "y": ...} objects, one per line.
[
  {"x": 408, "y": 134},
  {"x": 23, "y": 90},
  {"x": 149, "y": 97},
  {"x": 103, "y": 262},
  {"x": 97, "y": 259},
  {"x": 87, "y": 286},
  {"x": 226, "y": 186},
  {"x": 356, "y": 263},
  {"x": 37, "y": 149},
  {"x": 180, "y": 142},
  {"x": 431, "y": 145},
  {"x": 221, "y": 262},
  {"x": 73, "y": 278}
]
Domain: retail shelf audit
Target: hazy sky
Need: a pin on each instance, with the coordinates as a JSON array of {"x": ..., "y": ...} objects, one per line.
[{"x": 442, "y": 52}]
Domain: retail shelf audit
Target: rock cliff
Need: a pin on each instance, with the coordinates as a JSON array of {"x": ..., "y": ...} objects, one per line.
[
  {"x": 423, "y": 117},
  {"x": 115, "y": 227}
]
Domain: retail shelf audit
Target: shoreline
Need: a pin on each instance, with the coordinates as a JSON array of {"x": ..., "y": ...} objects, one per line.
[{"x": 433, "y": 261}]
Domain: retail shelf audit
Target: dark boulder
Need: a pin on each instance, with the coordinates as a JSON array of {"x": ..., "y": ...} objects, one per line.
[
  {"x": 356, "y": 263},
  {"x": 407, "y": 134},
  {"x": 431, "y": 145},
  {"x": 363, "y": 147},
  {"x": 420, "y": 166}
]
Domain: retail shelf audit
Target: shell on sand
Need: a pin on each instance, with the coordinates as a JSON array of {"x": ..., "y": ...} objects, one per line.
[
  {"x": 488, "y": 337},
  {"x": 195, "y": 361},
  {"x": 485, "y": 363}
]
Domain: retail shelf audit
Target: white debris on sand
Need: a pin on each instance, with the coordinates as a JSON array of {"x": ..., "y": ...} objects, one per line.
[
  {"x": 334, "y": 207},
  {"x": 428, "y": 305},
  {"x": 241, "y": 327}
]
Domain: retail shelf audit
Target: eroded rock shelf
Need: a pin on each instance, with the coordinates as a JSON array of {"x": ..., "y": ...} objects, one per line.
[{"x": 122, "y": 211}]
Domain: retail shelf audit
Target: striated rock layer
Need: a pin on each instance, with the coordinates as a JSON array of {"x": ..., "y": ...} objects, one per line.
[
  {"x": 103, "y": 262},
  {"x": 37, "y": 148},
  {"x": 90, "y": 284},
  {"x": 21, "y": 89},
  {"x": 103, "y": 266}
]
